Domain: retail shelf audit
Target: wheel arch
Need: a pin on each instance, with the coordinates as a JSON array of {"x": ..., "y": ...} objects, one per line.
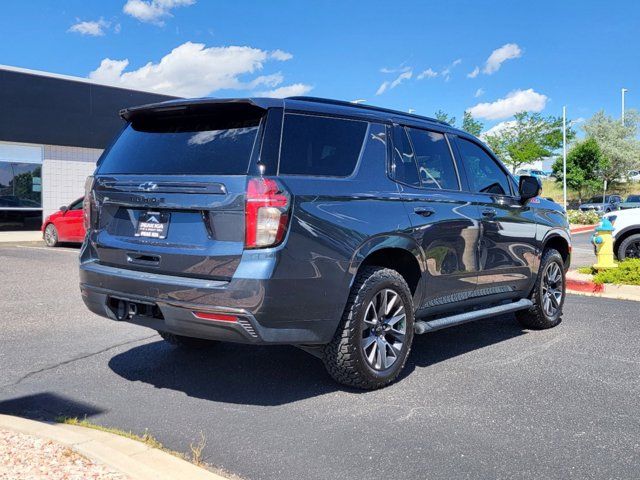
[
  {"x": 397, "y": 252},
  {"x": 562, "y": 243},
  {"x": 622, "y": 236}
]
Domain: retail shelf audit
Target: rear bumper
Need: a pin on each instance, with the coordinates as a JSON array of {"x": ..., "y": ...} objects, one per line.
[{"x": 267, "y": 311}]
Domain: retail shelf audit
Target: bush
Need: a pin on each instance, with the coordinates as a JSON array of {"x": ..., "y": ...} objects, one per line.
[
  {"x": 627, "y": 273},
  {"x": 576, "y": 217}
]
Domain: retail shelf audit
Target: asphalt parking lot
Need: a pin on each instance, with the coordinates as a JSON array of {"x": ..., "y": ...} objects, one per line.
[{"x": 483, "y": 400}]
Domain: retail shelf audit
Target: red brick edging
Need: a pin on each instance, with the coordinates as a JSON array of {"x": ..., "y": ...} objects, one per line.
[
  {"x": 579, "y": 285},
  {"x": 582, "y": 228}
]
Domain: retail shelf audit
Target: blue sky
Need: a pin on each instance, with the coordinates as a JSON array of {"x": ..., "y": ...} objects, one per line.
[{"x": 547, "y": 53}]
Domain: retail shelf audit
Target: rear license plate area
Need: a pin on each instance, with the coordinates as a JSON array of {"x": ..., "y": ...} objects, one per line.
[{"x": 153, "y": 225}]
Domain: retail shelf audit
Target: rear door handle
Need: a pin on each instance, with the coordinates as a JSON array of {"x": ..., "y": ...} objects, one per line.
[
  {"x": 424, "y": 211},
  {"x": 489, "y": 212}
]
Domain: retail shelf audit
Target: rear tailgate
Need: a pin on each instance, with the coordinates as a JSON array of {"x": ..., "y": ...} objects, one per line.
[{"x": 170, "y": 192}]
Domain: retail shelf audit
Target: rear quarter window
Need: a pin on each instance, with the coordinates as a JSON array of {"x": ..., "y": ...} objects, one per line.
[{"x": 320, "y": 146}]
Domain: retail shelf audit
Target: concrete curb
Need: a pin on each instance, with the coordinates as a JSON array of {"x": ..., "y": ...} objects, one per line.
[
  {"x": 582, "y": 283},
  {"x": 12, "y": 237},
  {"x": 132, "y": 458},
  {"x": 582, "y": 229}
]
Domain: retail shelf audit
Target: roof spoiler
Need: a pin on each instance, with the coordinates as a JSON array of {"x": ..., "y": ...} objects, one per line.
[{"x": 199, "y": 105}]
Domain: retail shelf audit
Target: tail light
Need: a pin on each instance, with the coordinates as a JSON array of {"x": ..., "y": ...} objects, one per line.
[
  {"x": 266, "y": 213},
  {"x": 87, "y": 204}
]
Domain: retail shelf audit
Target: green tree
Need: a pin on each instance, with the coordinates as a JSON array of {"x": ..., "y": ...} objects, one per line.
[
  {"x": 529, "y": 137},
  {"x": 618, "y": 143},
  {"x": 444, "y": 117},
  {"x": 471, "y": 125},
  {"x": 585, "y": 162}
]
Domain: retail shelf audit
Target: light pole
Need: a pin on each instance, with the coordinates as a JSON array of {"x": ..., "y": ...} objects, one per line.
[
  {"x": 623, "y": 91},
  {"x": 564, "y": 157}
]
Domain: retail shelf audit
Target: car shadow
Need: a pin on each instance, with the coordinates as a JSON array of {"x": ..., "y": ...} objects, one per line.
[{"x": 277, "y": 375}]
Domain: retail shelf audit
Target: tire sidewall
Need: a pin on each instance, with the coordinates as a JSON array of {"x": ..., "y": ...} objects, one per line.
[
  {"x": 551, "y": 257},
  {"x": 622, "y": 250},
  {"x": 372, "y": 286}
]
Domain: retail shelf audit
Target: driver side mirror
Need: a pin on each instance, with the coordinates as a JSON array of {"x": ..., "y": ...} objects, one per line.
[
  {"x": 64, "y": 208},
  {"x": 529, "y": 187}
]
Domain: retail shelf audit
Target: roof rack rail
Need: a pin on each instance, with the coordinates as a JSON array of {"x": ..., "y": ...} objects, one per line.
[{"x": 367, "y": 107}]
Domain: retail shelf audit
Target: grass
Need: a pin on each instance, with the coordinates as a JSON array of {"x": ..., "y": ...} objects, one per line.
[
  {"x": 627, "y": 273},
  {"x": 553, "y": 189}
]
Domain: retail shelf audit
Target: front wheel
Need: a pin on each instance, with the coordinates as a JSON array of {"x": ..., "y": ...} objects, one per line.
[
  {"x": 51, "y": 236},
  {"x": 629, "y": 247},
  {"x": 373, "y": 340},
  {"x": 548, "y": 294}
]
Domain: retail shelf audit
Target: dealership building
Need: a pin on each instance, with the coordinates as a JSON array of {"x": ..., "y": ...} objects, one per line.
[{"x": 53, "y": 128}]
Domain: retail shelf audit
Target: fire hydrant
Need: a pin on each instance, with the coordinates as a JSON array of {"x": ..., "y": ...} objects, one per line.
[{"x": 603, "y": 241}]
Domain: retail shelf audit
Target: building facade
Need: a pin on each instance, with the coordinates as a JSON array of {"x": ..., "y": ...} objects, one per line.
[{"x": 53, "y": 129}]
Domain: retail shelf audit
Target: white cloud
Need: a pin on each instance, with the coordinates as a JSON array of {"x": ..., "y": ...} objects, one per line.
[
  {"x": 506, "y": 52},
  {"x": 497, "y": 128},
  {"x": 153, "y": 11},
  {"x": 446, "y": 72},
  {"x": 293, "y": 90},
  {"x": 281, "y": 55},
  {"x": 428, "y": 73},
  {"x": 388, "y": 85},
  {"x": 92, "y": 28},
  {"x": 395, "y": 69},
  {"x": 192, "y": 70},
  {"x": 474, "y": 73},
  {"x": 516, "y": 101},
  {"x": 479, "y": 92}
]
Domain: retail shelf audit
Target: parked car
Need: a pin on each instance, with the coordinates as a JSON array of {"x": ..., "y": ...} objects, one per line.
[
  {"x": 634, "y": 175},
  {"x": 632, "y": 201},
  {"x": 602, "y": 204},
  {"x": 65, "y": 225},
  {"x": 626, "y": 233},
  {"x": 341, "y": 229},
  {"x": 533, "y": 172}
]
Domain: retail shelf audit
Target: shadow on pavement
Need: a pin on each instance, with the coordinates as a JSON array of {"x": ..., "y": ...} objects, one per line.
[
  {"x": 47, "y": 406},
  {"x": 276, "y": 375}
]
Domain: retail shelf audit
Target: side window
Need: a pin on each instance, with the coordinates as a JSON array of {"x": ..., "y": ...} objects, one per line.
[
  {"x": 320, "y": 146},
  {"x": 433, "y": 157},
  {"x": 77, "y": 205},
  {"x": 485, "y": 175},
  {"x": 403, "y": 166}
]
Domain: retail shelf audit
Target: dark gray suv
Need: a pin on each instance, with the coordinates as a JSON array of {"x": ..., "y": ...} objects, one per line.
[{"x": 338, "y": 228}]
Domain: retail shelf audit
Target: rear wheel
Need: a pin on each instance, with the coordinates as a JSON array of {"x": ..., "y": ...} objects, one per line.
[
  {"x": 372, "y": 343},
  {"x": 548, "y": 294},
  {"x": 629, "y": 247},
  {"x": 186, "y": 342},
  {"x": 51, "y": 236}
]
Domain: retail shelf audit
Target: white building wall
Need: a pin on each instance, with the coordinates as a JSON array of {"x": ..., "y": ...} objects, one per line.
[{"x": 64, "y": 171}]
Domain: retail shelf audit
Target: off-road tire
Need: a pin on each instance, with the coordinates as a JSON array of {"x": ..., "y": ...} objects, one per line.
[
  {"x": 622, "y": 249},
  {"x": 343, "y": 357},
  {"x": 535, "y": 318},
  {"x": 51, "y": 236},
  {"x": 186, "y": 342}
]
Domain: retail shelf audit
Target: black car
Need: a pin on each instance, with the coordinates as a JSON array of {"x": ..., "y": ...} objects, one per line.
[{"x": 341, "y": 229}]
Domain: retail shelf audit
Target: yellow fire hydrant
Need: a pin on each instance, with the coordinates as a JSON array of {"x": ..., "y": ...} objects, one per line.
[{"x": 603, "y": 241}]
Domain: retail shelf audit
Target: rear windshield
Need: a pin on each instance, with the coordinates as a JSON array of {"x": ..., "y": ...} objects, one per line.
[{"x": 199, "y": 145}]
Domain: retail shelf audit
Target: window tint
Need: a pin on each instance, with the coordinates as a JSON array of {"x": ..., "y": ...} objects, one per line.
[
  {"x": 485, "y": 175},
  {"x": 320, "y": 146},
  {"x": 403, "y": 167},
  {"x": 77, "y": 205},
  {"x": 433, "y": 157},
  {"x": 197, "y": 146}
]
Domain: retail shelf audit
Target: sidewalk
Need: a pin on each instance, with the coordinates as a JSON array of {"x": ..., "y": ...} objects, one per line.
[
  {"x": 28, "y": 236},
  {"x": 121, "y": 456}
]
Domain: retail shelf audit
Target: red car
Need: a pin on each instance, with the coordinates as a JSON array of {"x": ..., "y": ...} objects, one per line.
[{"x": 65, "y": 225}]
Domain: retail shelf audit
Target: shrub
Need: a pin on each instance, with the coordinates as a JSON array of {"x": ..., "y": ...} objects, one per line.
[
  {"x": 577, "y": 217},
  {"x": 627, "y": 273}
]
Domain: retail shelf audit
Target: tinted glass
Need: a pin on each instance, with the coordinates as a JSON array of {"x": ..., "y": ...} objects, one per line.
[
  {"x": 196, "y": 146},
  {"x": 320, "y": 146},
  {"x": 403, "y": 166},
  {"x": 633, "y": 198},
  {"x": 77, "y": 205},
  {"x": 433, "y": 157},
  {"x": 485, "y": 176},
  {"x": 20, "y": 185}
]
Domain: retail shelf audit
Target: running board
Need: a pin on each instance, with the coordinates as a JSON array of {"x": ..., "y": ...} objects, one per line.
[{"x": 421, "y": 326}]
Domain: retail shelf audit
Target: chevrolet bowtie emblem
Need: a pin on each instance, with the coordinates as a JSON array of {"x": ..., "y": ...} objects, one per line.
[{"x": 148, "y": 186}]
